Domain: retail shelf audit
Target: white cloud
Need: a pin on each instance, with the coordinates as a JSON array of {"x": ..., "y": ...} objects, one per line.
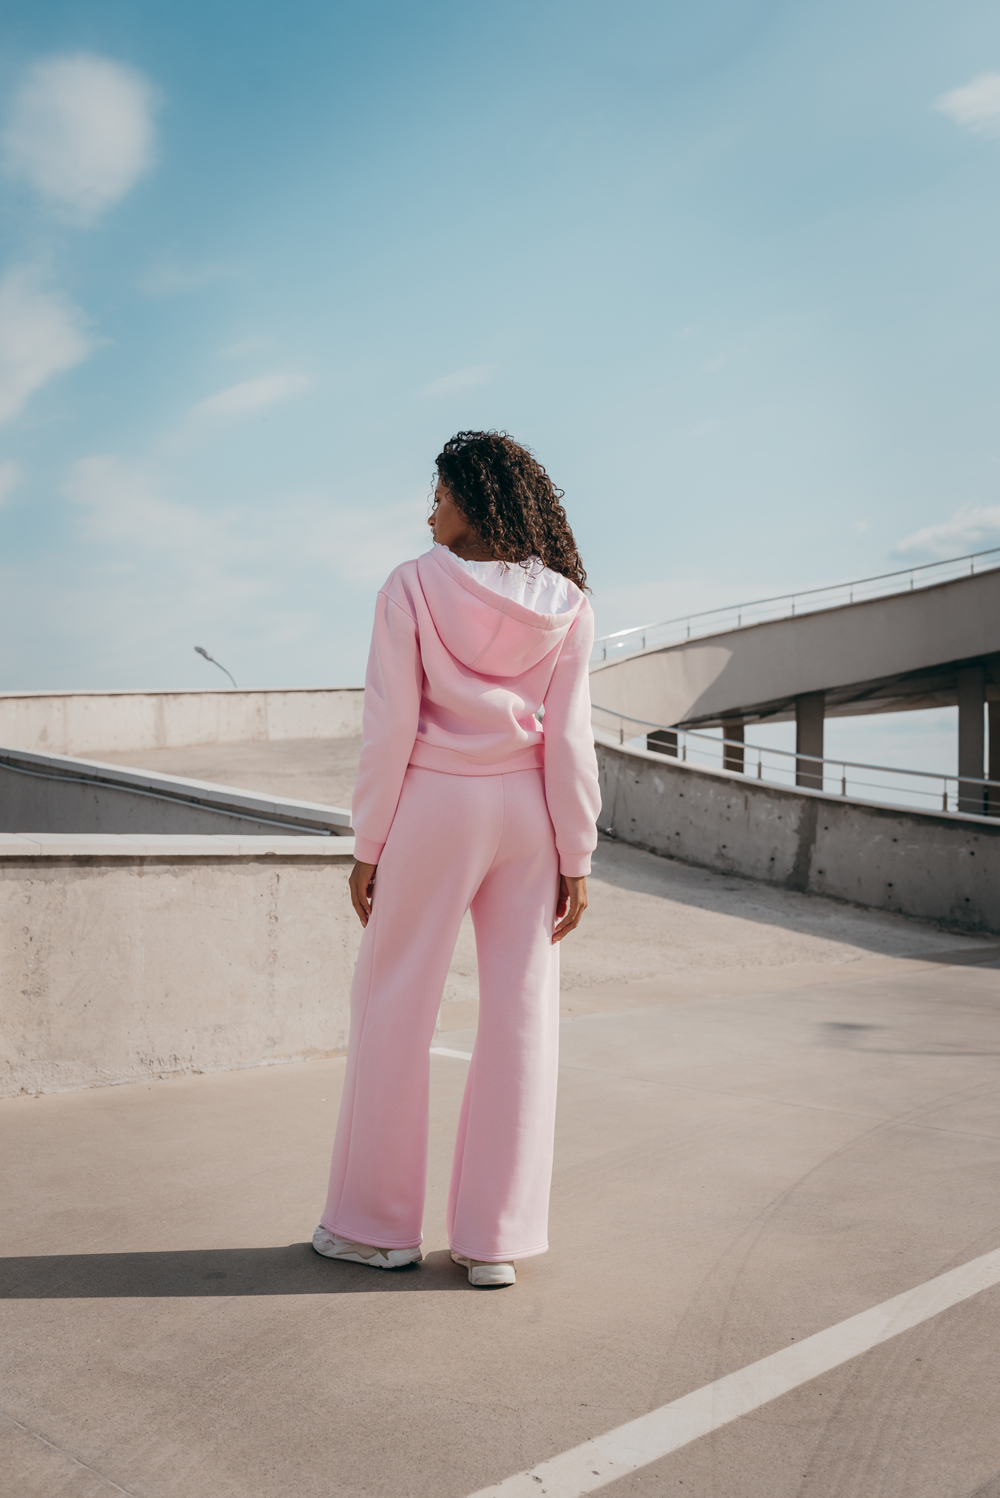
[
  {"x": 972, "y": 528},
  {"x": 80, "y": 131},
  {"x": 41, "y": 334},
  {"x": 10, "y": 477},
  {"x": 724, "y": 359},
  {"x": 124, "y": 507},
  {"x": 173, "y": 571},
  {"x": 280, "y": 588},
  {"x": 253, "y": 395},
  {"x": 462, "y": 379},
  {"x": 180, "y": 550},
  {"x": 976, "y": 105},
  {"x": 245, "y": 346},
  {"x": 359, "y": 544},
  {"x": 166, "y": 278}
]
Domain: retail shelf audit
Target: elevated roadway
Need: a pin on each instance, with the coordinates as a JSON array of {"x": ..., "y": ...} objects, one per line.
[{"x": 934, "y": 646}]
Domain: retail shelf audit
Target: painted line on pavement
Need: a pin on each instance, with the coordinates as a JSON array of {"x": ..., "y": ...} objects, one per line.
[
  {"x": 441, "y": 1050},
  {"x": 629, "y": 1447}
]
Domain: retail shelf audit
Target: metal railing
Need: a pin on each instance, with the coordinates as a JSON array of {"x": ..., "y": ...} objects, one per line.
[
  {"x": 926, "y": 790},
  {"x": 791, "y": 605}
]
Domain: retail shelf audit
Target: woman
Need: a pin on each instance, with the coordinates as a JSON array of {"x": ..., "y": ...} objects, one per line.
[{"x": 465, "y": 799}]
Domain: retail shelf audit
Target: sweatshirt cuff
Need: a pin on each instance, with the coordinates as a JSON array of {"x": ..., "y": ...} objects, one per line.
[
  {"x": 573, "y": 865},
  {"x": 366, "y": 851}
]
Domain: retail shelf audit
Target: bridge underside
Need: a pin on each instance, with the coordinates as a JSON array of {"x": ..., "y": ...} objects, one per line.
[{"x": 935, "y": 686}]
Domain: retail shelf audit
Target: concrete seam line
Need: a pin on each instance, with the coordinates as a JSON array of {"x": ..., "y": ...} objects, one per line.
[
  {"x": 441, "y": 1050},
  {"x": 61, "y": 1451},
  {"x": 134, "y": 848},
  {"x": 605, "y": 1458}
]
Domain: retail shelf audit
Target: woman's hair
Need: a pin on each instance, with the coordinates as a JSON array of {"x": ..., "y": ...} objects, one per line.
[{"x": 510, "y": 501}]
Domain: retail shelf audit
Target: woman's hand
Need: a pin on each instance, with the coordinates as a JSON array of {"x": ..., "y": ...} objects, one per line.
[
  {"x": 363, "y": 888},
  {"x": 570, "y": 906}
]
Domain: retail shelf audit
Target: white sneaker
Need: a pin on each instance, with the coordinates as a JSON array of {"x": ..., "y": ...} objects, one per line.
[
  {"x": 483, "y": 1275},
  {"x": 332, "y": 1247}
]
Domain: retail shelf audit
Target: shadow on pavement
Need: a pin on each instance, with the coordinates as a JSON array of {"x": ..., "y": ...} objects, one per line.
[
  {"x": 985, "y": 957},
  {"x": 626, "y": 866},
  {"x": 295, "y": 1270},
  {"x": 855, "y": 1037}
]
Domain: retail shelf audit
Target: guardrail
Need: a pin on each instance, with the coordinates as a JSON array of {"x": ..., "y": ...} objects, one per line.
[
  {"x": 790, "y": 605},
  {"x": 925, "y": 790}
]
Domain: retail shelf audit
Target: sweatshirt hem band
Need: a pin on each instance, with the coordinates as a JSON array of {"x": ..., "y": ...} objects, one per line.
[{"x": 452, "y": 762}]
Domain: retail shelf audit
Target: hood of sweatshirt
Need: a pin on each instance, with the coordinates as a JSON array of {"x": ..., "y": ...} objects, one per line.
[{"x": 488, "y": 633}]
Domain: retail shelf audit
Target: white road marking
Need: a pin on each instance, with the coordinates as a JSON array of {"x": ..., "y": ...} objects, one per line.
[
  {"x": 629, "y": 1447},
  {"x": 441, "y": 1050}
]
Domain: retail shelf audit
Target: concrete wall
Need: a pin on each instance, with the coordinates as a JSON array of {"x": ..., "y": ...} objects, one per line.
[
  {"x": 153, "y": 924},
  {"x": 49, "y": 793},
  {"x": 738, "y": 670},
  {"x": 87, "y": 722},
  {"x": 941, "y": 866},
  {"x": 131, "y": 958}
]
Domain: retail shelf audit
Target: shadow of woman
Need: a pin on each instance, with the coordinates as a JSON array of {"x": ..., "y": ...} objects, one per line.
[{"x": 294, "y": 1270}]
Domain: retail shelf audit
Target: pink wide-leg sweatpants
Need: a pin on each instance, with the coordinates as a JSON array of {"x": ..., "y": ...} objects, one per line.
[{"x": 456, "y": 841}]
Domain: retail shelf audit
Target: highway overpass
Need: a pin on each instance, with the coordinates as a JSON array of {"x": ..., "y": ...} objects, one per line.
[{"x": 935, "y": 644}]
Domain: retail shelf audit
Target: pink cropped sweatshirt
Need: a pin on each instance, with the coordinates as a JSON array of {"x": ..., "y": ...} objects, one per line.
[{"x": 456, "y": 675}]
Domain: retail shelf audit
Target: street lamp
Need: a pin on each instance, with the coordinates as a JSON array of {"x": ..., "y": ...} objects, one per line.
[{"x": 202, "y": 651}]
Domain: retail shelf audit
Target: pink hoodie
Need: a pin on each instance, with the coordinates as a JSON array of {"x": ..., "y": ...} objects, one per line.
[{"x": 455, "y": 676}]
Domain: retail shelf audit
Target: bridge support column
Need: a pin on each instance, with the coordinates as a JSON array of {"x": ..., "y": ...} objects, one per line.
[
  {"x": 732, "y": 753},
  {"x": 663, "y": 741},
  {"x": 993, "y": 772},
  {"x": 971, "y": 737},
  {"x": 809, "y": 713}
]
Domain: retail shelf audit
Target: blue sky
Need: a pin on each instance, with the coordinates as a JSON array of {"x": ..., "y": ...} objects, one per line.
[{"x": 730, "y": 269}]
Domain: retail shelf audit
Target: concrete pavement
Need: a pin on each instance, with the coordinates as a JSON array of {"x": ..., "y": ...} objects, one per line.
[
  {"x": 775, "y": 1112},
  {"x": 736, "y": 1166}
]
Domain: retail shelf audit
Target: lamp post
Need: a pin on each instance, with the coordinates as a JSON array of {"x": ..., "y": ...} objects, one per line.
[{"x": 202, "y": 651}]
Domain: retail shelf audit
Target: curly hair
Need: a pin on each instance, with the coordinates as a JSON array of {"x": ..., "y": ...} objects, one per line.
[{"x": 510, "y": 501}]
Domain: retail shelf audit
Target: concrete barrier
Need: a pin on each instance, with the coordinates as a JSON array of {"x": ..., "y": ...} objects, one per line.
[
  {"x": 88, "y": 722},
  {"x": 129, "y": 958},
  {"x": 52, "y": 793},
  {"x": 940, "y": 866}
]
